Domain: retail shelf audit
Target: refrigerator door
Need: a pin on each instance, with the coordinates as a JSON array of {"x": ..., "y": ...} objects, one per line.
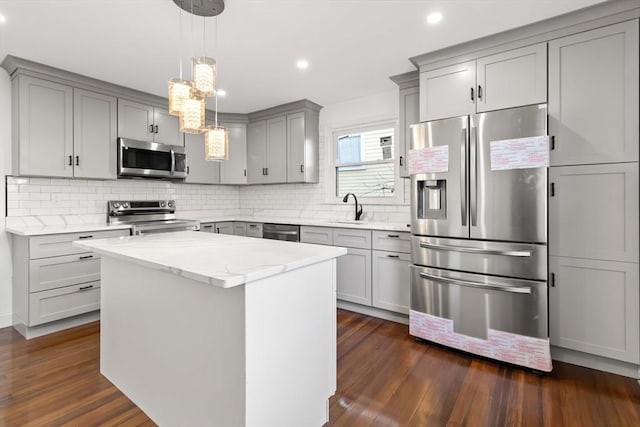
[
  {"x": 439, "y": 199},
  {"x": 511, "y": 204}
]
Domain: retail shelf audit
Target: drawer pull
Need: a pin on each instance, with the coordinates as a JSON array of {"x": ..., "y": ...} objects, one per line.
[
  {"x": 86, "y": 237},
  {"x": 252, "y": 225},
  {"x": 393, "y": 256},
  {"x": 393, "y": 236},
  {"x": 207, "y": 226},
  {"x": 84, "y": 288},
  {"x": 86, "y": 257}
]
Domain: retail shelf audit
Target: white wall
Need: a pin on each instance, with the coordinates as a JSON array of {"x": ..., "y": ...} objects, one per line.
[
  {"x": 310, "y": 200},
  {"x": 5, "y": 167}
]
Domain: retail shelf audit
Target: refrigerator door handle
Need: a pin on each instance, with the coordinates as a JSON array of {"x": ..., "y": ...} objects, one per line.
[
  {"x": 492, "y": 286},
  {"x": 425, "y": 245},
  {"x": 473, "y": 172},
  {"x": 463, "y": 176}
]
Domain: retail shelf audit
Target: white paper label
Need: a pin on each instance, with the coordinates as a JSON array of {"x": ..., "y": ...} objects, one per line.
[
  {"x": 429, "y": 160},
  {"x": 520, "y": 153}
]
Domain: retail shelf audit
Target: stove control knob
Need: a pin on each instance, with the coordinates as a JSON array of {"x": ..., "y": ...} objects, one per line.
[
  {"x": 163, "y": 204},
  {"x": 125, "y": 205},
  {"x": 170, "y": 203},
  {"x": 116, "y": 205}
]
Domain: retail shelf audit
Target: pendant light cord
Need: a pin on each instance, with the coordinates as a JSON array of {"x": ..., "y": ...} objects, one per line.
[
  {"x": 215, "y": 48},
  {"x": 180, "y": 42}
]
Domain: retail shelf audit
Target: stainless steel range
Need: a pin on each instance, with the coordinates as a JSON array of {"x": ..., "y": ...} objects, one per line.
[{"x": 148, "y": 216}]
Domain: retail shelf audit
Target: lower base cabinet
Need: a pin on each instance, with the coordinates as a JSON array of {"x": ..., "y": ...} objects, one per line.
[
  {"x": 354, "y": 276},
  {"x": 594, "y": 307},
  {"x": 391, "y": 281}
]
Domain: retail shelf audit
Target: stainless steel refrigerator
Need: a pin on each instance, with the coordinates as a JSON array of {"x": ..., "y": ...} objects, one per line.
[{"x": 479, "y": 234}]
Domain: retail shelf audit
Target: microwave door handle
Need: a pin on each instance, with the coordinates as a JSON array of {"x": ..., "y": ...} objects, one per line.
[{"x": 481, "y": 285}]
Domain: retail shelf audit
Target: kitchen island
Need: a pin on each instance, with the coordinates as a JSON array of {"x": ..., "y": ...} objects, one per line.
[{"x": 217, "y": 330}]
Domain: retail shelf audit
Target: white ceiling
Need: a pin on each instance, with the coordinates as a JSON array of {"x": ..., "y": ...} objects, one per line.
[{"x": 353, "y": 46}]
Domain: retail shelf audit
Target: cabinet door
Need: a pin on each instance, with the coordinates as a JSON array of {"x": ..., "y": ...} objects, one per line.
[
  {"x": 240, "y": 228},
  {"x": 56, "y": 272},
  {"x": 45, "y": 127},
  {"x": 95, "y": 133},
  {"x": 234, "y": 170},
  {"x": 316, "y": 235},
  {"x": 224, "y": 227},
  {"x": 60, "y": 303},
  {"x": 409, "y": 115},
  {"x": 295, "y": 147},
  {"x": 200, "y": 170},
  {"x": 593, "y": 96},
  {"x": 208, "y": 227},
  {"x": 167, "y": 128},
  {"x": 135, "y": 120},
  {"x": 256, "y": 152},
  {"x": 593, "y": 307},
  {"x": 277, "y": 149},
  {"x": 354, "y": 276},
  {"x": 448, "y": 92},
  {"x": 391, "y": 282},
  {"x": 512, "y": 79},
  {"x": 594, "y": 213},
  {"x": 254, "y": 229}
]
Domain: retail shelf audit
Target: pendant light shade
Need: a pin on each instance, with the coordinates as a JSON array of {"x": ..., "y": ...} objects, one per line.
[
  {"x": 192, "y": 116},
  {"x": 179, "y": 91},
  {"x": 204, "y": 75},
  {"x": 216, "y": 143}
]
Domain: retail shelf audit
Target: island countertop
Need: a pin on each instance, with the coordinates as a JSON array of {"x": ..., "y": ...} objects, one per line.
[{"x": 217, "y": 259}]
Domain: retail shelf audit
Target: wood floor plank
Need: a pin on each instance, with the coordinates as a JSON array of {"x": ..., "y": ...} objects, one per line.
[{"x": 385, "y": 379}]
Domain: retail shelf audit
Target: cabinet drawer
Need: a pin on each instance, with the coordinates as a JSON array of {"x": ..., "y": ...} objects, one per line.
[
  {"x": 239, "y": 229},
  {"x": 351, "y": 238},
  {"x": 394, "y": 241},
  {"x": 61, "y": 244},
  {"x": 254, "y": 229},
  {"x": 47, "y": 306},
  {"x": 208, "y": 227},
  {"x": 56, "y": 272},
  {"x": 317, "y": 235}
]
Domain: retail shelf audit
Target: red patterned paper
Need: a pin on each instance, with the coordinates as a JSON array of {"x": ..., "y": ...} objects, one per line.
[{"x": 534, "y": 353}]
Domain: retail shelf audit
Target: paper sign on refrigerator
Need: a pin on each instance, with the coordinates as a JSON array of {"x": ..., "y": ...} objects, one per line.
[
  {"x": 520, "y": 153},
  {"x": 429, "y": 160}
]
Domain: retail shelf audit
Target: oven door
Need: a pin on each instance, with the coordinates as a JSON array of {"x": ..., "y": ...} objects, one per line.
[{"x": 144, "y": 159}]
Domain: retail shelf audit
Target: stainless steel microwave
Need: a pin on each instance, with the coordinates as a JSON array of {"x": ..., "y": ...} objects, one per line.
[{"x": 151, "y": 160}]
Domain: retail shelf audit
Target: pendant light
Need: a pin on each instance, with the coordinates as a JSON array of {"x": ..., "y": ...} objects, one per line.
[{"x": 216, "y": 141}]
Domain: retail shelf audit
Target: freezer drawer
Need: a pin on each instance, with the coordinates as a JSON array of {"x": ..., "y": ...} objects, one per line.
[
  {"x": 522, "y": 260},
  {"x": 476, "y": 303}
]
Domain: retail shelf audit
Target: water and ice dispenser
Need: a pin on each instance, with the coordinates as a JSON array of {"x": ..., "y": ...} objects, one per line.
[{"x": 432, "y": 199}]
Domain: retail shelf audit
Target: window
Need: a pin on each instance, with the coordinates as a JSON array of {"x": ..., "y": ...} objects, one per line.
[{"x": 364, "y": 163}]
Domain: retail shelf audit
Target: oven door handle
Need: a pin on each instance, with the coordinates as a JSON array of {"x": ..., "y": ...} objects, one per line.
[
  {"x": 475, "y": 250},
  {"x": 481, "y": 285},
  {"x": 288, "y": 233}
]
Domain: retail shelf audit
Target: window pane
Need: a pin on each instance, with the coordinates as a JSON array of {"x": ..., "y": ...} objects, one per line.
[
  {"x": 365, "y": 146},
  {"x": 349, "y": 149},
  {"x": 366, "y": 181}
]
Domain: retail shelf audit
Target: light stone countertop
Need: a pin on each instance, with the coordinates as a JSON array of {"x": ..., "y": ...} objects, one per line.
[
  {"x": 217, "y": 259},
  {"x": 62, "y": 227}
]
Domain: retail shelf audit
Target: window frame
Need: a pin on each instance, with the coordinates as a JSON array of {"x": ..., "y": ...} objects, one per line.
[{"x": 398, "y": 197}]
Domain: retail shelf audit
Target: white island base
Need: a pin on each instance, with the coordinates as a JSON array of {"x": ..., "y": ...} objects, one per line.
[{"x": 190, "y": 354}]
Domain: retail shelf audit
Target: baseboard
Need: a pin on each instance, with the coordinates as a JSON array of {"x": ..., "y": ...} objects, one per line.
[
  {"x": 595, "y": 362},
  {"x": 5, "y": 320},
  {"x": 48, "y": 328},
  {"x": 375, "y": 312}
]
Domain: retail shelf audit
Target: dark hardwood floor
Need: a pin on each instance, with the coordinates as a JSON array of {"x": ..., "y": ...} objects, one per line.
[{"x": 385, "y": 378}]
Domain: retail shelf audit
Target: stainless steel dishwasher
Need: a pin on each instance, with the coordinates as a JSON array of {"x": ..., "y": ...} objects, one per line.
[{"x": 281, "y": 232}]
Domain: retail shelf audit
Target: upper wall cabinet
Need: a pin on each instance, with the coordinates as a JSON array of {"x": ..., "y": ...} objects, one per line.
[
  {"x": 146, "y": 123},
  {"x": 408, "y": 113},
  {"x": 302, "y": 147},
  {"x": 61, "y": 131},
  {"x": 199, "y": 170},
  {"x": 509, "y": 79},
  {"x": 234, "y": 170},
  {"x": 593, "y": 96}
]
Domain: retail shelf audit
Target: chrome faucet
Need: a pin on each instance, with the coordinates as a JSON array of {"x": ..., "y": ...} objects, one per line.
[{"x": 358, "y": 211}]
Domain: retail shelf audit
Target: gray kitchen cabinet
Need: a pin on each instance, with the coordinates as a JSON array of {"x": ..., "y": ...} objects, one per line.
[
  {"x": 95, "y": 133},
  {"x": 234, "y": 170},
  {"x": 224, "y": 227},
  {"x": 239, "y": 228},
  {"x": 593, "y": 96},
  {"x": 256, "y": 152},
  {"x": 200, "y": 171},
  {"x": 254, "y": 229},
  {"x": 354, "y": 276},
  {"x": 593, "y": 211},
  {"x": 316, "y": 235},
  {"x": 508, "y": 79},
  {"x": 42, "y": 127},
  {"x": 208, "y": 227},
  {"x": 147, "y": 123},
  {"x": 391, "y": 282},
  {"x": 408, "y": 113},
  {"x": 594, "y": 307},
  {"x": 302, "y": 147}
]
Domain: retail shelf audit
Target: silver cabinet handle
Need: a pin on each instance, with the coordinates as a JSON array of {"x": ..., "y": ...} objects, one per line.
[
  {"x": 393, "y": 236},
  {"x": 301, "y": 168},
  {"x": 156, "y": 129},
  {"x": 150, "y": 128},
  {"x": 84, "y": 288},
  {"x": 479, "y": 92},
  {"x": 492, "y": 286},
  {"x": 70, "y": 160},
  {"x": 393, "y": 256},
  {"x": 472, "y": 97},
  {"x": 85, "y": 257},
  {"x": 90, "y": 236},
  {"x": 401, "y": 161},
  {"x": 475, "y": 250},
  {"x": 77, "y": 160}
]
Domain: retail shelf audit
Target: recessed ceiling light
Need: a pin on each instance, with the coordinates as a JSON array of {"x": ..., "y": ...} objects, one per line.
[
  {"x": 434, "y": 18},
  {"x": 221, "y": 92},
  {"x": 3, "y": 19},
  {"x": 303, "y": 64}
]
